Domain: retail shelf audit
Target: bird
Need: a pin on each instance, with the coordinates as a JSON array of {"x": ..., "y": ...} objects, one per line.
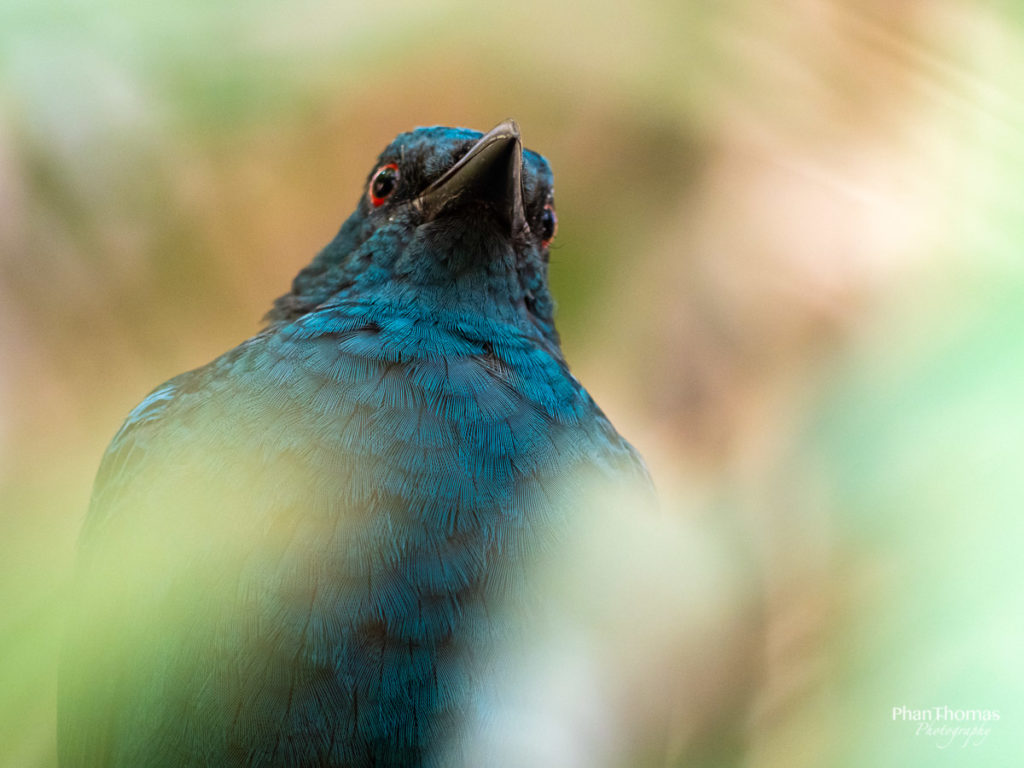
[{"x": 306, "y": 552}]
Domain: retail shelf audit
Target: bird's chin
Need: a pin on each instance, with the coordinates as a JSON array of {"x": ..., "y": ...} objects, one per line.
[{"x": 476, "y": 235}]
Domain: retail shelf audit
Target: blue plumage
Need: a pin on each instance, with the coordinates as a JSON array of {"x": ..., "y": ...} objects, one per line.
[{"x": 301, "y": 553}]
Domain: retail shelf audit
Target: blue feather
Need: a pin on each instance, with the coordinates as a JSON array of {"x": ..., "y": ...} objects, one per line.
[{"x": 307, "y": 551}]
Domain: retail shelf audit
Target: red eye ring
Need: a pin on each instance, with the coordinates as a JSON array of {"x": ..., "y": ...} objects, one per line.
[{"x": 383, "y": 183}]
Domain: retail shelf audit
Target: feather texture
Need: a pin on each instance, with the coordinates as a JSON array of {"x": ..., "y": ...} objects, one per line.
[{"x": 302, "y": 553}]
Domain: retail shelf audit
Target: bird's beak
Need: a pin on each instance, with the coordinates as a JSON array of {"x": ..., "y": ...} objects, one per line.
[{"x": 492, "y": 171}]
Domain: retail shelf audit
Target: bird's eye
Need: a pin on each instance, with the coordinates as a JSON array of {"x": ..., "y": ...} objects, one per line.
[
  {"x": 383, "y": 183},
  {"x": 548, "y": 224}
]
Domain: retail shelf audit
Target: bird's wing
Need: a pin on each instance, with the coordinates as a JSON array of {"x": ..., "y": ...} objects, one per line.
[
  {"x": 140, "y": 505},
  {"x": 180, "y": 557}
]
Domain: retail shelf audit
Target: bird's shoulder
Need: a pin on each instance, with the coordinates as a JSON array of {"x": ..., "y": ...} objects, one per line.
[{"x": 360, "y": 380}]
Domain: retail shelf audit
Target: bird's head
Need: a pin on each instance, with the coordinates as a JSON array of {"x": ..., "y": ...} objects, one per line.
[{"x": 449, "y": 219}]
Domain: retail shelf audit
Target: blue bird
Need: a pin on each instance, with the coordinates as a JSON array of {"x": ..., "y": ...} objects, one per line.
[{"x": 305, "y": 552}]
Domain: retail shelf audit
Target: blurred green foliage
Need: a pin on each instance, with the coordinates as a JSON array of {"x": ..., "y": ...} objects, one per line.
[{"x": 788, "y": 266}]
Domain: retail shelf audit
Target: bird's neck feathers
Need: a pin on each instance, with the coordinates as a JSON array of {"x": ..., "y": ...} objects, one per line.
[{"x": 445, "y": 271}]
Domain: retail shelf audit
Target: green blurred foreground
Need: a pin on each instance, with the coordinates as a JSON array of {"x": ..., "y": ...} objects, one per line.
[{"x": 788, "y": 266}]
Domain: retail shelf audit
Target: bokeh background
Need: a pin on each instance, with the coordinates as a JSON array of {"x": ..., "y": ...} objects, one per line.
[{"x": 789, "y": 267}]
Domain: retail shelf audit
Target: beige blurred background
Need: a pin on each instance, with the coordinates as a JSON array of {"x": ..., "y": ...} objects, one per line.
[{"x": 788, "y": 266}]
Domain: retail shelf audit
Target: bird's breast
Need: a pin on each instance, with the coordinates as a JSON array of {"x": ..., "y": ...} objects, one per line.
[{"x": 407, "y": 471}]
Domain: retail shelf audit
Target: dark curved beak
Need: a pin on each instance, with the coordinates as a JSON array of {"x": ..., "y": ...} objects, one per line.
[{"x": 492, "y": 172}]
